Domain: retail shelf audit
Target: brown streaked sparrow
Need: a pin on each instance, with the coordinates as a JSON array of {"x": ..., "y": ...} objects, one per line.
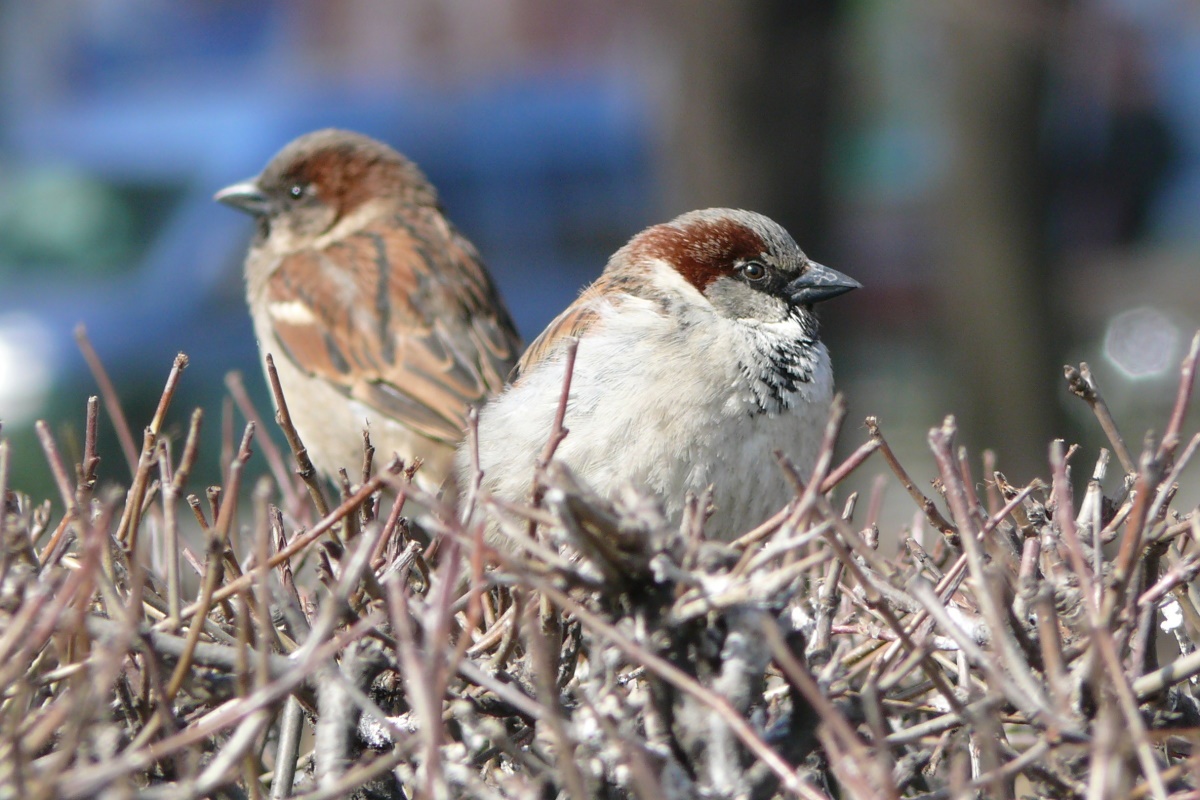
[
  {"x": 698, "y": 357},
  {"x": 378, "y": 312}
]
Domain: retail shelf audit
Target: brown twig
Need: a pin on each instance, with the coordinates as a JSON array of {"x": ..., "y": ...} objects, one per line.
[
  {"x": 57, "y": 467},
  {"x": 112, "y": 403},
  {"x": 1029, "y": 696},
  {"x": 127, "y": 531},
  {"x": 1134, "y": 537},
  {"x": 558, "y": 431},
  {"x": 1083, "y": 385},
  {"x": 59, "y": 471},
  {"x": 852, "y": 462},
  {"x": 809, "y": 492},
  {"x": 86, "y": 474},
  {"x": 926, "y": 505},
  {"x": 688, "y": 685},
  {"x": 299, "y": 542},
  {"x": 1183, "y": 398},
  {"x": 87, "y": 780},
  {"x": 168, "y": 393},
  {"x": 840, "y": 727},
  {"x": 304, "y": 465},
  {"x": 237, "y": 390},
  {"x": 218, "y": 539},
  {"x": 187, "y": 462}
]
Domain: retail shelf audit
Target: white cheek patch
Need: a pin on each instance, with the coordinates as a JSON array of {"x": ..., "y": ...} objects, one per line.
[
  {"x": 666, "y": 277},
  {"x": 292, "y": 312}
]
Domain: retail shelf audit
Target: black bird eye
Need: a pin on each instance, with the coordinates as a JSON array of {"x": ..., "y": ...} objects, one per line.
[
  {"x": 296, "y": 190},
  {"x": 753, "y": 271}
]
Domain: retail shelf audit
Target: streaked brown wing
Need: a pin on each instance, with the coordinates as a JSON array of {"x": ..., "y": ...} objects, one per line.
[
  {"x": 416, "y": 331},
  {"x": 570, "y": 324}
]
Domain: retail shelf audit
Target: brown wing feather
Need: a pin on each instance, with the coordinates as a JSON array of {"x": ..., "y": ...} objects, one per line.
[
  {"x": 418, "y": 332},
  {"x": 572, "y": 323}
]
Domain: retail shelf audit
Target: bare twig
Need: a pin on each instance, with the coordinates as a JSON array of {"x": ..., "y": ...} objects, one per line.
[
  {"x": 237, "y": 390},
  {"x": 557, "y": 431},
  {"x": 59, "y": 470},
  {"x": 924, "y": 503},
  {"x": 112, "y": 403},
  {"x": 86, "y": 477},
  {"x": 304, "y": 465},
  {"x": 127, "y": 531},
  {"x": 1083, "y": 385},
  {"x": 299, "y": 543},
  {"x": 1187, "y": 375},
  {"x": 218, "y": 538},
  {"x": 685, "y": 683},
  {"x": 1029, "y": 697}
]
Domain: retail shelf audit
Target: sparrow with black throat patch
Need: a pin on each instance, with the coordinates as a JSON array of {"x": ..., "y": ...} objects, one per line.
[
  {"x": 698, "y": 357},
  {"x": 378, "y": 312}
]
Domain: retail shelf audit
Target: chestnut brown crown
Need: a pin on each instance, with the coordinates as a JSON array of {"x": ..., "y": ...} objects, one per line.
[
  {"x": 324, "y": 176},
  {"x": 716, "y": 244}
]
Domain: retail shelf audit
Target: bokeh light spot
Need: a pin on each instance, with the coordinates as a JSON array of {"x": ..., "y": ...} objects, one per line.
[
  {"x": 26, "y": 367},
  {"x": 1142, "y": 343}
]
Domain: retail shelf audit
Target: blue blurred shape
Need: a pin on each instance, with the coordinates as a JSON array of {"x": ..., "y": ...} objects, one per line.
[{"x": 541, "y": 174}]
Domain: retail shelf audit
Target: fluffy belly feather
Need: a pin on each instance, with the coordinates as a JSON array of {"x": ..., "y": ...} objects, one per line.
[{"x": 663, "y": 430}]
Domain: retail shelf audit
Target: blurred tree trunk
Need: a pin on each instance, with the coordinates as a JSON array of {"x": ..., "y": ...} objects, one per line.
[
  {"x": 754, "y": 96},
  {"x": 993, "y": 274}
]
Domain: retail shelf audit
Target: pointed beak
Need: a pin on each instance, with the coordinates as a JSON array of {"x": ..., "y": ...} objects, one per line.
[
  {"x": 819, "y": 283},
  {"x": 245, "y": 196}
]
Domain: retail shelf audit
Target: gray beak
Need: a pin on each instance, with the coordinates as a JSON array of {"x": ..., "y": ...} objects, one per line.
[
  {"x": 819, "y": 283},
  {"x": 245, "y": 196}
]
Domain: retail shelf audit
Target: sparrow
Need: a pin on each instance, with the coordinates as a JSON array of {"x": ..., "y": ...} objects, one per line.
[
  {"x": 698, "y": 356},
  {"x": 378, "y": 313}
]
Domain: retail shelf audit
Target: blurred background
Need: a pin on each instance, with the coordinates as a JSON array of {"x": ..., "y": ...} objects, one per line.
[{"x": 1017, "y": 185}]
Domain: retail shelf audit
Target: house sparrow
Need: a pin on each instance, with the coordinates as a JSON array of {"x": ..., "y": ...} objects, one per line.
[
  {"x": 698, "y": 357},
  {"x": 377, "y": 311}
]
